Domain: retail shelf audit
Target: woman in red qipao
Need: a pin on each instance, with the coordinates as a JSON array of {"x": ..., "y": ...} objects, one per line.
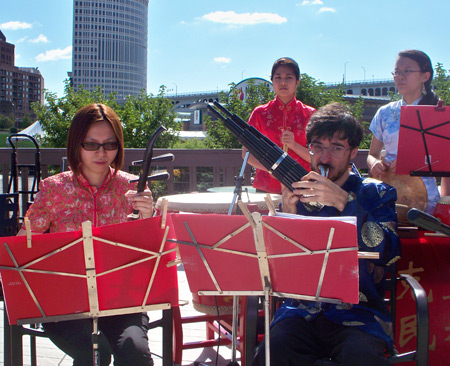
[
  {"x": 282, "y": 120},
  {"x": 95, "y": 189}
]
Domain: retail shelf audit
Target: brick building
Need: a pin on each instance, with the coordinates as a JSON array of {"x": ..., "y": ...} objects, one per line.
[{"x": 19, "y": 86}]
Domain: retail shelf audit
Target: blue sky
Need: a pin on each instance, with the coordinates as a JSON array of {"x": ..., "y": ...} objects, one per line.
[{"x": 204, "y": 45}]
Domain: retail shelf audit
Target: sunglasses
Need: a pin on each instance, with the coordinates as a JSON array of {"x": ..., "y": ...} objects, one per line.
[{"x": 94, "y": 146}]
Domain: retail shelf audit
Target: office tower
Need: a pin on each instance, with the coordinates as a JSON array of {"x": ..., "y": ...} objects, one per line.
[
  {"x": 110, "y": 45},
  {"x": 19, "y": 86}
]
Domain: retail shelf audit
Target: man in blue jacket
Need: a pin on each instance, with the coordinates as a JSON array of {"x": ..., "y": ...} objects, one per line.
[{"x": 350, "y": 334}]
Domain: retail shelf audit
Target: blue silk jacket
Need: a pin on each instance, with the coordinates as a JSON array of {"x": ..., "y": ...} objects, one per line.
[{"x": 373, "y": 204}]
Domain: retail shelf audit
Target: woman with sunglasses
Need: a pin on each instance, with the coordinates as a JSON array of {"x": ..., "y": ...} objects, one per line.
[
  {"x": 413, "y": 74},
  {"x": 96, "y": 190}
]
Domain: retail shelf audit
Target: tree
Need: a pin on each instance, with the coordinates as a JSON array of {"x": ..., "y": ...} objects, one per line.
[
  {"x": 57, "y": 113},
  {"x": 442, "y": 83},
  {"x": 140, "y": 116},
  {"x": 218, "y": 136},
  {"x": 315, "y": 94},
  {"x": 6, "y": 122},
  {"x": 26, "y": 121}
]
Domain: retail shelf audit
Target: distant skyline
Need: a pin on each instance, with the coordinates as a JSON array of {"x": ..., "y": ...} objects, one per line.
[{"x": 205, "y": 45}]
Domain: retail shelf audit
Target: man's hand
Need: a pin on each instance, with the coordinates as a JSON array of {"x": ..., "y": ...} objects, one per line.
[
  {"x": 315, "y": 188},
  {"x": 289, "y": 200}
]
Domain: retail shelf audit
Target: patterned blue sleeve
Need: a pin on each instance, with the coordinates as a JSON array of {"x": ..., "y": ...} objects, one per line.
[{"x": 374, "y": 207}]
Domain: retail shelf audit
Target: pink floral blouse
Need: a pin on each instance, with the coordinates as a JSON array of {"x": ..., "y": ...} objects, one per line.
[{"x": 65, "y": 201}]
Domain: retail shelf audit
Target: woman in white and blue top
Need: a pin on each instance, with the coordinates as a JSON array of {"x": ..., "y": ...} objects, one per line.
[{"x": 413, "y": 74}]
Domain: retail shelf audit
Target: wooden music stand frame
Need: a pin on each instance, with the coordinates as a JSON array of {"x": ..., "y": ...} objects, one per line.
[
  {"x": 94, "y": 312},
  {"x": 265, "y": 260}
]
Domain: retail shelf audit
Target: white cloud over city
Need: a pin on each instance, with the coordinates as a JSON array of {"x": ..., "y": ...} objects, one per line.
[
  {"x": 233, "y": 18},
  {"x": 323, "y": 9},
  {"x": 15, "y": 25},
  {"x": 39, "y": 39},
  {"x": 222, "y": 60},
  {"x": 55, "y": 55},
  {"x": 312, "y": 2}
]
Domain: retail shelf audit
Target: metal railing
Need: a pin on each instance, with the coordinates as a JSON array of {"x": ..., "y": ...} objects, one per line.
[{"x": 192, "y": 170}]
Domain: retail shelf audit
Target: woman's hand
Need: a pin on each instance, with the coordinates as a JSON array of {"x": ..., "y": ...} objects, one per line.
[
  {"x": 142, "y": 201},
  {"x": 287, "y": 138},
  {"x": 379, "y": 169}
]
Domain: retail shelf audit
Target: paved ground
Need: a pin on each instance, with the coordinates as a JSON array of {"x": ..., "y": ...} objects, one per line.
[{"x": 50, "y": 355}]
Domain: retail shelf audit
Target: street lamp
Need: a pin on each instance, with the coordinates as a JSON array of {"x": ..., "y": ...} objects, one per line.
[
  {"x": 242, "y": 75},
  {"x": 364, "y": 72},
  {"x": 176, "y": 89},
  {"x": 13, "y": 108},
  {"x": 345, "y": 71}
]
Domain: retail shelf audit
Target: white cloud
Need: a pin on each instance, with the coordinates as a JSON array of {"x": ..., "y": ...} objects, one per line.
[
  {"x": 15, "y": 25},
  {"x": 312, "y": 2},
  {"x": 230, "y": 17},
  {"x": 222, "y": 60},
  {"x": 39, "y": 39},
  {"x": 20, "y": 40},
  {"x": 327, "y": 10},
  {"x": 55, "y": 55}
]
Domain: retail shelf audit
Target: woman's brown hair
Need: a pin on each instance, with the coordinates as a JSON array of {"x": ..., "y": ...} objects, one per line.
[{"x": 81, "y": 123}]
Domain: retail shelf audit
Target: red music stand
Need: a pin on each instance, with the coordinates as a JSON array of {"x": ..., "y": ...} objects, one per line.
[
  {"x": 96, "y": 272},
  {"x": 424, "y": 141},
  {"x": 261, "y": 255}
]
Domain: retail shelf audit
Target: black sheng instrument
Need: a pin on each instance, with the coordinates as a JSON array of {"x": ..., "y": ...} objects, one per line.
[
  {"x": 283, "y": 167},
  {"x": 144, "y": 178}
]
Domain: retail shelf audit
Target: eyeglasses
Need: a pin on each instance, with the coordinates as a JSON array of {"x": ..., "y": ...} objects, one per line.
[
  {"x": 405, "y": 73},
  {"x": 94, "y": 146},
  {"x": 335, "y": 151}
]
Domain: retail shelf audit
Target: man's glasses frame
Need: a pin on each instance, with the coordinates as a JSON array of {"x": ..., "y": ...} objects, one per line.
[{"x": 316, "y": 149}]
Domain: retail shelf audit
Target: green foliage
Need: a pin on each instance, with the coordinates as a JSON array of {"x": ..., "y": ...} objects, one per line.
[
  {"x": 57, "y": 113},
  {"x": 6, "y": 122},
  {"x": 442, "y": 83},
  {"x": 218, "y": 136},
  {"x": 190, "y": 144},
  {"x": 26, "y": 121},
  {"x": 357, "y": 109},
  {"x": 140, "y": 115},
  {"x": 315, "y": 94}
]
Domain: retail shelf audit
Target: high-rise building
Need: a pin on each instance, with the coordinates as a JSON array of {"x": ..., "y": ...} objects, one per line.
[
  {"x": 19, "y": 86},
  {"x": 109, "y": 47}
]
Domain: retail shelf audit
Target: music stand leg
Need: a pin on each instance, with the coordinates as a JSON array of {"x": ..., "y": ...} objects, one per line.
[
  {"x": 95, "y": 342},
  {"x": 233, "y": 361},
  {"x": 167, "y": 321},
  {"x": 267, "y": 324}
]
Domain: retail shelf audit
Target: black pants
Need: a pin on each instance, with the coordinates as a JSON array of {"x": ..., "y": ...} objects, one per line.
[
  {"x": 296, "y": 342},
  {"x": 125, "y": 336}
]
